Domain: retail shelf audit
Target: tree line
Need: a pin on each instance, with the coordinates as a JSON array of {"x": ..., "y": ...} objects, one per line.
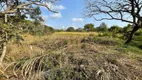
[{"x": 103, "y": 28}]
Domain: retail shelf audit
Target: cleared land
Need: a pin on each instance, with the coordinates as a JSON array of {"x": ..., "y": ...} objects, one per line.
[{"x": 72, "y": 56}]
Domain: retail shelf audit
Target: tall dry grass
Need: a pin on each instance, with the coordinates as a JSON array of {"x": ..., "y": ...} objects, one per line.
[{"x": 54, "y": 57}]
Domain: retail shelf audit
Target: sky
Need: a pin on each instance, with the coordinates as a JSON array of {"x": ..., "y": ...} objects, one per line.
[{"x": 70, "y": 14}]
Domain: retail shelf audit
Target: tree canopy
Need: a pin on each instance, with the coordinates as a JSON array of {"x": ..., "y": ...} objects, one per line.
[
  {"x": 102, "y": 27},
  {"x": 25, "y": 7},
  {"x": 89, "y": 27},
  {"x": 71, "y": 29}
]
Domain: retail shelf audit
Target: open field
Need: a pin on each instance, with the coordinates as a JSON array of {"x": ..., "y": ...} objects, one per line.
[
  {"x": 76, "y": 33},
  {"x": 70, "y": 40},
  {"x": 72, "y": 56}
]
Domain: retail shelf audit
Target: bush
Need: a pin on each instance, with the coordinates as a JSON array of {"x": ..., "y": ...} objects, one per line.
[
  {"x": 80, "y": 30},
  {"x": 100, "y": 35},
  {"x": 138, "y": 38},
  {"x": 107, "y": 41},
  {"x": 109, "y": 34},
  {"x": 138, "y": 33},
  {"x": 115, "y": 29},
  {"x": 127, "y": 28}
]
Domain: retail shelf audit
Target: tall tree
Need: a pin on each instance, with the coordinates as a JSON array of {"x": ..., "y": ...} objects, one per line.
[
  {"x": 18, "y": 7},
  {"x": 89, "y": 27},
  {"x": 122, "y": 10},
  {"x": 103, "y": 27},
  {"x": 71, "y": 29}
]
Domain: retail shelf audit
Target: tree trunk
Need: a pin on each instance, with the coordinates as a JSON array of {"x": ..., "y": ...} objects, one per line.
[
  {"x": 3, "y": 53},
  {"x": 5, "y": 18},
  {"x": 4, "y": 43},
  {"x": 132, "y": 34}
]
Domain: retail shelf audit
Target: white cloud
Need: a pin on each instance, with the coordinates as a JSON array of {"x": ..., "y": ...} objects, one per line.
[
  {"x": 73, "y": 25},
  {"x": 77, "y": 19},
  {"x": 52, "y": 16},
  {"x": 54, "y": 7},
  {"x": 49, "y": 4},
  {"x": 58, "y": 7},
  {"x": 45, "y": 17},
  {"x": 56, "y": 15}
]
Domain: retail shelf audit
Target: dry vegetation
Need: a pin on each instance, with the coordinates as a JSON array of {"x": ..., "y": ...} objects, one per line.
[{"x": 71, "y": 56}]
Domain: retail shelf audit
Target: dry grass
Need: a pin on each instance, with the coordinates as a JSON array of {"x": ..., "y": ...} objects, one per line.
[
  {"x": 77, "y": 33},
  {"x": 53, "y": 58}
]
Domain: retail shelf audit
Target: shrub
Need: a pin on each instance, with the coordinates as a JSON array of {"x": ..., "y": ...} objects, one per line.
[
  {"x": 138, "y": 38},
  {"x": 138, "y": 33},
  {"x": 107, "y": 34},
  {"x": 107, "y": 41},
  {"x": 80, "y": 30},
  {"x": 115, "y": 29},
  {"x": 100, "y": 34}
]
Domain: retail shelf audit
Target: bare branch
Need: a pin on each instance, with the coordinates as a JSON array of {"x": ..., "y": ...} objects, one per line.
[
  {"x": 122, "y": 10},
  {"x": 111, "y": 8},
  {"x": 22, "y": 6}
]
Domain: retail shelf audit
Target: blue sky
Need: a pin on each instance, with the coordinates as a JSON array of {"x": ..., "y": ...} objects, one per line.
[{"x": 70, "y": 13}]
